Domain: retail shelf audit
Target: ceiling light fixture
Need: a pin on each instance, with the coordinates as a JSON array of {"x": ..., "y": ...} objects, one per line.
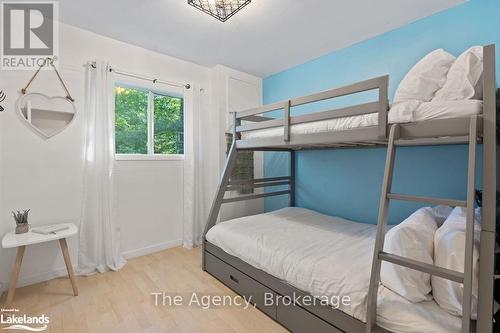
[{"x": 220, "y": 9}]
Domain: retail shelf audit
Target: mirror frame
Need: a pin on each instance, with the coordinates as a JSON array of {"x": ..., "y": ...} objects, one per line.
[{"x": 19, "y": 104}]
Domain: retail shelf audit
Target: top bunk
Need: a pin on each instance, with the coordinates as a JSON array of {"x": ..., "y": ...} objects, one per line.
[{"x": 365, "y": 124}]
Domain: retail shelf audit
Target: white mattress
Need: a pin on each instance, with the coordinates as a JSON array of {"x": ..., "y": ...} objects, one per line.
[
  {"x": 412, "y": 111},
  {"x": 326, "y": 257}
]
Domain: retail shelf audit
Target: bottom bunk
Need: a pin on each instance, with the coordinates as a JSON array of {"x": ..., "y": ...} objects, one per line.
[{"x": 296, "y": 252}]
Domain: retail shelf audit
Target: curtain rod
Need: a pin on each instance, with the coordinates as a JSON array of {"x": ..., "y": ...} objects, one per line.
[{"x": 143, "y": 77}]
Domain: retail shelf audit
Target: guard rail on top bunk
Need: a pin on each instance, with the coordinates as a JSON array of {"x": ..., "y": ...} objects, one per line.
[
  {"x": 372, "y": 135},
  {"x": 429, "y": 132}
]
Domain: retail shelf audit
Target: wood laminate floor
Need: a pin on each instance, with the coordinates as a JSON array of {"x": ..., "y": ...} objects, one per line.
[{"x": 123, "y": 301}]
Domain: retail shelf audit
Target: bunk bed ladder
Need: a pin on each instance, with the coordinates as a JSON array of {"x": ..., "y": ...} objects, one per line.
[
  {"x": 226, "y": 184},
  {"x": 379, "y": 255}
]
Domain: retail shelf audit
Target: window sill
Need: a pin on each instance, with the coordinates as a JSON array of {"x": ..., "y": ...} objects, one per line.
[{"x": 141, "y": 157}]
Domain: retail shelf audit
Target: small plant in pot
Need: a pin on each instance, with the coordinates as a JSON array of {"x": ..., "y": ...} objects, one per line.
[{"x": 21, "y": 218}]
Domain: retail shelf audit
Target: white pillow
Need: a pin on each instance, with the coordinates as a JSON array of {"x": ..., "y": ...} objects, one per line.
[
  {"x": 425, "y": 78},
  {"x": 449, "y": 252},
  {"x": 464, "y": 77},
  {"x": 413, "y": 238}
]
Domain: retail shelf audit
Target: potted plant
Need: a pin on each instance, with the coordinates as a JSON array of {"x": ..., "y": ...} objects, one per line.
[{"x": 21, "y": 218}]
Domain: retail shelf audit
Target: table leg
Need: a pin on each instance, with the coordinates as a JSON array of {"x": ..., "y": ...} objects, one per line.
[
  {"x": 15, "y": 275},
  {"x": 69, "y": 267}
]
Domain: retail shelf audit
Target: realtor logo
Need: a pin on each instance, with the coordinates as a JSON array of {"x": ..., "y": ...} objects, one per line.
[
  {"x": 29, "y": 33},
  {"x": 12, "y": 319}
]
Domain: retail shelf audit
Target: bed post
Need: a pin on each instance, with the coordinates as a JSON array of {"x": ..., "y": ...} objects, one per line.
[
  {"x": 221, "y": 190},
  {"x": 291, "y": 200},
  {"x": 383, "y": 101},
  {"x": 487, "y": 244}
]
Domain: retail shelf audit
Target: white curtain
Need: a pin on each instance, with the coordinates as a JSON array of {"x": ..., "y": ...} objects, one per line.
[
  {"x": 196, "y": 197},
  {"x": 99, "y": 248}
]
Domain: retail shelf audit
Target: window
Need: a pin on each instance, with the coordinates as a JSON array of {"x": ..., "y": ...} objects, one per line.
[{"x": 148, "y": 124}]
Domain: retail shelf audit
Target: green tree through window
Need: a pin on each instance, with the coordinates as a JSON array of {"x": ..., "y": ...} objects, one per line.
[
  {"x": 139, "y": 114},
  {"x": 168, "y": 125},
  {"x": 131, "y": 121}
]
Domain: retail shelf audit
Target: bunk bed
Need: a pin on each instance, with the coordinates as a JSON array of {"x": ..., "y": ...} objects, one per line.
[{"x": 234, "y": 251}]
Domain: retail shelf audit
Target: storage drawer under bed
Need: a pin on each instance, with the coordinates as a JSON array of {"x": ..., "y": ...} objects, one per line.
[
  {"x": 293, "y": 317},
  {"x": 298, "y": 320},
  {"x": 241, "y": 283}
]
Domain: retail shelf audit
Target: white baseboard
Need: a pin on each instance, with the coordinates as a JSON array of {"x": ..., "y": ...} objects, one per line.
[
  {"x": 151, "y": 249},
  {"x": 60, "y": 272}
]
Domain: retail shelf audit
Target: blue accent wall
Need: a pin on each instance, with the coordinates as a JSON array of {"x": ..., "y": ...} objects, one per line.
[{"x": 347, "y": 182}]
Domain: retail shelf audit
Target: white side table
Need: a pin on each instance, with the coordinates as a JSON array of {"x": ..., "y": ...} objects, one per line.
[{"x": 20, "y": 241}]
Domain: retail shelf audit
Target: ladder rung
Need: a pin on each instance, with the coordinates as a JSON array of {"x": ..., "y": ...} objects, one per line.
[
  {"x": 437, "y": 201},
  {"x": 257, "y": 185},
  {"x": 422, "y": 267},
  {"x": 254, "y": 196},
  {"x": 258, "y": 180}
]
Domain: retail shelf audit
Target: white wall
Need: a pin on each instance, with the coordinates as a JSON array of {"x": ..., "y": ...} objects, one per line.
[
  {"x": 235, "y": 91},
  {"x": 46, "y": 175}
]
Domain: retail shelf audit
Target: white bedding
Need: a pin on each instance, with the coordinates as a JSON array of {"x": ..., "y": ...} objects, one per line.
[
  {"x": 325, "y": 256},
  {"x": 414, "y": 112}
]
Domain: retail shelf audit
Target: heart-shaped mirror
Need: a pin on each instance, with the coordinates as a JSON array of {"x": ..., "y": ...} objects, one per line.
[{"x": 46, "y": 115}]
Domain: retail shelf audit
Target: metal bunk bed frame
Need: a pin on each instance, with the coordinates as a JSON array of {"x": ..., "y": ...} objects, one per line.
[{"x": 253, "y": 283}]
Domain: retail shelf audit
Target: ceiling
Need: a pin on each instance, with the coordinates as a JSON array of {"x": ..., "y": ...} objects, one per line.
[{"x": 265, "y": 37}]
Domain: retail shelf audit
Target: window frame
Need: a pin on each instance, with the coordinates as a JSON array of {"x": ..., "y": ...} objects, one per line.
[{"x": 151, "y": 155}]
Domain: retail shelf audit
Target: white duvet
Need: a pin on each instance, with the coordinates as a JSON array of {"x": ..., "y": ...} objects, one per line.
[
  {"x": 325, "y": 256},
  {"x": 402, "y": 112}
]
